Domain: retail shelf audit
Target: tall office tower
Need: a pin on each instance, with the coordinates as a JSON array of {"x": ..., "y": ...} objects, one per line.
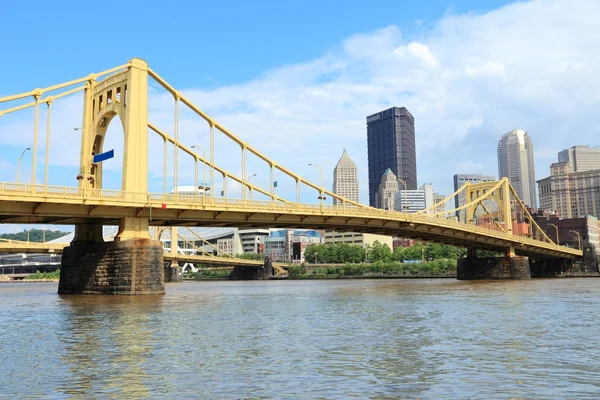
[
  {"x": 581, "y": 158},
  {"x": 345, "y": 179},
  {"x": 386, "y": 192},
  {"x": 459, "y": 201},
  {"x": 515, "y": 162},
  {"x": 391, "y": 144}
]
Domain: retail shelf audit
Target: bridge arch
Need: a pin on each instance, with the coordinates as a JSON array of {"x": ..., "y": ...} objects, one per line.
[{"x": 124, "y": 94}]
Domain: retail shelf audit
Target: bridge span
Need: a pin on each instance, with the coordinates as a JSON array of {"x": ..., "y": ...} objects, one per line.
[{"x": 132, "y": 264}]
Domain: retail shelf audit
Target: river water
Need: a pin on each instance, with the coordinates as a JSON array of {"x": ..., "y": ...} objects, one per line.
[{"x": 428, "y": 339}]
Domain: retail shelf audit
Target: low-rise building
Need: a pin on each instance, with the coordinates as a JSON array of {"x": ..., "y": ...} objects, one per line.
[
  {"x": 568, "y": 231},
  {"x": 289, "y": 245},
  {"x": 357, "y": 239}
]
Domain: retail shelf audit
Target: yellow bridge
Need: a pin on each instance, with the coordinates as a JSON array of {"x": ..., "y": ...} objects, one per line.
[{"x": 123, "y": 91}]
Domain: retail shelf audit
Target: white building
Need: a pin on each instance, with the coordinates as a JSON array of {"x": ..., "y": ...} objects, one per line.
[
  {"x": 345, "y": 179},
  {"x": 515, "y": 162},
  {"x": 252, "y": 238},
  {"x": 414, "y": 200},
  {"x": 581, "y": 158},
  {"x": 190, "y": 190}
]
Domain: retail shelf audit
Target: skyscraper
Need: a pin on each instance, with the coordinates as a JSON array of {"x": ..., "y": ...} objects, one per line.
[
  {"x": 515, "y": 162},
  {"x": 581, "y": 158},
  {"x": 386, "y": 191},
  {"x": 345, "y": 178},
  {"x": 391, "y": 144}
]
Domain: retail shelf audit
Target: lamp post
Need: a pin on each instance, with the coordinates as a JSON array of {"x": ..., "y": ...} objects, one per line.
[
  {"x": 203, "y": 168},
  {"x": 578, "y": 237},
  {"x": 404, "y": 194},
  {"x": 250, "y": 190},
  {"x": 557, "y": 237},
  {"x": 320, "y": 168},
  {"x": 19, "y": 164},
  {"x": 86, "y": 169}
]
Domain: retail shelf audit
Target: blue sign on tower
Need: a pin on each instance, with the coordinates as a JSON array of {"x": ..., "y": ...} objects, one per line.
[{"x": 104, "y": 156}]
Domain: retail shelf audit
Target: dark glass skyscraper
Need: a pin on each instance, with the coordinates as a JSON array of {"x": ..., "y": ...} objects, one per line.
[{"x": 391, "y": 144}]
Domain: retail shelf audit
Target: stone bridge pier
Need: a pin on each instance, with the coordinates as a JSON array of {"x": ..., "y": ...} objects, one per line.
[
  {"x": 265, "y": 271},
  {"x": 512, "y": 266},
  {"x": 91, "y": 266}
]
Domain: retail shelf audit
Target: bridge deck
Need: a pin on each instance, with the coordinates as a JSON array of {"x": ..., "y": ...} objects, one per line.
[{"x": 25, "y": 203}]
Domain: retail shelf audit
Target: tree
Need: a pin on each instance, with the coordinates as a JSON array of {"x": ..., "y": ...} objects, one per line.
[
  {"x": 380, "y": 252},
  {"x": 414, "y": 253},
  {"x": 35, "y": 235},
  {"x": 398, "y": 254}
]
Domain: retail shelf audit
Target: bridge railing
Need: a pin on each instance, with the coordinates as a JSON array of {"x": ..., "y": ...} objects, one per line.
[{"x": 200, "y": 202}]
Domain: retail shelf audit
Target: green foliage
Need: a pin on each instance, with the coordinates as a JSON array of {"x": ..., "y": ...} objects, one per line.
[
  {"x": 43, "y": 275},
  {"x": 341, "y": 253},
  {"x": 488, "y": 253},
  {"x": 377, "y": 269},
  {"x": 35, "y": 235},
  {"x": 335, "y": 253},
  {"x": 212, "y": 274},
  {"x": 379, "y": 252},
  {"x": 250, "y": 256}
]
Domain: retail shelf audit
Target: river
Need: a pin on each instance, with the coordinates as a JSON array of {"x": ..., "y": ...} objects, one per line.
[{"x": 380, "y": 339}]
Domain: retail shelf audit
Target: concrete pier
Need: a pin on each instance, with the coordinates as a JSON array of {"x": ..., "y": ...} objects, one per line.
[
  {"x": 253, "y": 273},
  {"x": 129, "y": 267},
  {"x": 513, "y": 267}
]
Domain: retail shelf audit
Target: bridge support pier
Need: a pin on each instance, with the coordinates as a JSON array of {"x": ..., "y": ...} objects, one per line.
[
  {"x": 510, "y": 266},
  {"x": 173, "y": 272},
  {"x": 241, "y": 273},
  {"x": 91, "y": 266}
]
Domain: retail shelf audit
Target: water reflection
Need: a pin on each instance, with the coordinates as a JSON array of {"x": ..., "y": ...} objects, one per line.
[
  {"x": 105, "y": 350},
  {"x": 321, "y": 339}
]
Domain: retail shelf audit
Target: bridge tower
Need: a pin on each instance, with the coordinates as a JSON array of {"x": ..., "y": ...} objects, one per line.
[
  {"x": 508, "y": 266},
  {"x": 133, "y": 263}
]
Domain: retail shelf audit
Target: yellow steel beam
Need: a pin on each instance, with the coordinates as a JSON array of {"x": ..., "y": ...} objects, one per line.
[
  {"x": 213, "y": 123},
  {"x": 47, "y": 99},
  {"x": 433, "y": 207},
  {"x": 36, "y": 201},
  {"x": 40, "y": 92},
  {"x": 196, "y": 156},
  {"x": 480, "y": 198}
]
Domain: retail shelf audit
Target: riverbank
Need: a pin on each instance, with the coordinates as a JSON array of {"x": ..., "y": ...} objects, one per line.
[{"x": 376, "y": 270}]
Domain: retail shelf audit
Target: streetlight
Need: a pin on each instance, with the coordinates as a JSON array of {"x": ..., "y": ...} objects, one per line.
[
  {"x": 247, "y": 180},
  {"x": 578, "y": 237},
  {"x": 84, "y": 172},
  {"x": 19, "y": 164},
  {"x": 404, "y": 205},
  {"x": 557, "y": 237},
  {"x": 320, "y": 168},
  {"x": 204, "y": 188}
]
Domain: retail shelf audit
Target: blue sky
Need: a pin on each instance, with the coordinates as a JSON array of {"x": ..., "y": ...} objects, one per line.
[
  {"x": 296, "y": 79},
  {"x": 230, "y": 41}
]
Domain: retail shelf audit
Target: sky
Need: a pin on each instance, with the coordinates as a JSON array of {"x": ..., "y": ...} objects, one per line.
[{"x": 297, "y": 79}]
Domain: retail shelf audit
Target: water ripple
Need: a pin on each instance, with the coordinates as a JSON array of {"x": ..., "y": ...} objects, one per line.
[{"x": 379, "y": 339}]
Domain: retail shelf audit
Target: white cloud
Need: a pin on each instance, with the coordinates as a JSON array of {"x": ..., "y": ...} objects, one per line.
[
  {"x": 467, "y": 80},
  {"x": 486, "y": 69}
]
